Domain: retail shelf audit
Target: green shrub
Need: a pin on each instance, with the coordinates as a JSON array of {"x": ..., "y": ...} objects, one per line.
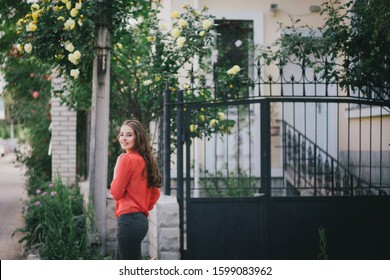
[
  {"x": 57, "y": 222},
  {"x": 236, "y": 184}
]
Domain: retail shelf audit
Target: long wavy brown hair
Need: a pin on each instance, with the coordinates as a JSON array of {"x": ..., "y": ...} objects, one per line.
[{"x": 143, "y": 147}]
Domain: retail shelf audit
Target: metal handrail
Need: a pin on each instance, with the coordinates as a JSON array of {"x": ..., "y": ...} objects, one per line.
[{"x": 320, "y": 171}]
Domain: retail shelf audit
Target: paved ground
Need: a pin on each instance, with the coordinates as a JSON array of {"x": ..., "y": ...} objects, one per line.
[{"x": 12, "y": 192}]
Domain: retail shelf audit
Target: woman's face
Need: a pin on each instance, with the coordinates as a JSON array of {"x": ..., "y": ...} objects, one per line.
[{"x": 127, "y": 138}]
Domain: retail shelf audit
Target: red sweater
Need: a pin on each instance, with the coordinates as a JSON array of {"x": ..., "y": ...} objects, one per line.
[{"x": 129, "y": 188}]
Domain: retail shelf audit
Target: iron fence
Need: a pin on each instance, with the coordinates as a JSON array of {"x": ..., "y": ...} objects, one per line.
[{"x": 322, "y": 140}]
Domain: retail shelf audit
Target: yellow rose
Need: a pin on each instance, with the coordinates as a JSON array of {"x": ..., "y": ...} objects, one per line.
[
  {"x": 34, "y": 6},
  {"x": 180, "y": 42},
  {"x": 77, "y": 54},
  {"x": 75, "y": 73},
  {"x": 147, "y": 82},
  {"x": 202, "y": 33},
  {"x": 28, "y": 47},
  {"x": 20, "y": 21},
  {"x": 74, "y": 57},
  {"x": 61, "y": 18},
  {"x": 193, "y": 127},
  {"x": 202, "y": 118},
  {"x": 69, "y": 47},
  {"x": 175, "y": 33},
  {"x": 150, "y": 38},
  {"x": 175, "y": 14},
  {"x": 74, "y": 12},
  {"x": 206, "y": 24},
  {"x": 234, "y": 70},
  {"x": 33, "y": 27},
  {"x": 35, "y": 16},
  {"x": 214, "y": 123},
  {"x": 118, "y": 46},
  {"x": 221, "y": 116},
  {"x": 183, "y": 23},
  {"x": 69, "y": 5},
  {"x": 69, "y": 24}
]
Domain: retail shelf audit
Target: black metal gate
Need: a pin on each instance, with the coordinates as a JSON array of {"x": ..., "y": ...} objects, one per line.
[
  {"x": 307, "y": 188},
  {"x": 226, "y": 228}
]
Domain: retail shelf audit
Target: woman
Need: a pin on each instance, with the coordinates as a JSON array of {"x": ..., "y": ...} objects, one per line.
[{"x": 135, "y": 189}]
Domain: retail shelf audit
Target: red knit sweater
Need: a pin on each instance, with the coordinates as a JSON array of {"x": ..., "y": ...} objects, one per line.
[{"x": 129, "y": 188}]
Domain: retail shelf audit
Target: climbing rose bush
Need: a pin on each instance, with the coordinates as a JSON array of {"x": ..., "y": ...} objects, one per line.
[
  {"x": 145, "y": 53},
  {"x": 59, "y": 32}
]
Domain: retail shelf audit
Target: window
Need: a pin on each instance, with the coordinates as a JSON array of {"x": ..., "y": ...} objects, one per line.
[{"x": 233, "y": 43}]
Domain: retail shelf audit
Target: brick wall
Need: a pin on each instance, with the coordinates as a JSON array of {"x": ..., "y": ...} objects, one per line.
[{"x": 63, "y": 141}]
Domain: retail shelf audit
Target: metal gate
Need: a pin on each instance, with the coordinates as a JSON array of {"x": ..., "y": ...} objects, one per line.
[{"x": 305, "y": 182}]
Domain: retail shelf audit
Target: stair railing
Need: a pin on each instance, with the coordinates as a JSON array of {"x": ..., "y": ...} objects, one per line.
[{"x": 311, "y": 170}]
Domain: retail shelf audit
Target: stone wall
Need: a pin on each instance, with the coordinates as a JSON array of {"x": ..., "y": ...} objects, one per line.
[{"x": 110, "y": 226}]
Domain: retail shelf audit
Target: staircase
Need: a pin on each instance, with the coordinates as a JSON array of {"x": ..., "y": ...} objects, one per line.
[{"x": 311, "y": 171}]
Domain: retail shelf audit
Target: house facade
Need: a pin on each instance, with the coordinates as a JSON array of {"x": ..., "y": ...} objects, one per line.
[{"x": 311, "y": 137}]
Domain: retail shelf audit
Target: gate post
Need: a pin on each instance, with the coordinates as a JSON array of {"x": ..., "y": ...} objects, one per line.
[
  {"x": 265, "y": 130},
  {"x": 265, "y": 147},
  {"x": 167, "y": 143},
  {"x": 179, "y": 180}
]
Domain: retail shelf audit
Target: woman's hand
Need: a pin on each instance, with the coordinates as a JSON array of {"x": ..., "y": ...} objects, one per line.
[{"x": 116, "y": 164}]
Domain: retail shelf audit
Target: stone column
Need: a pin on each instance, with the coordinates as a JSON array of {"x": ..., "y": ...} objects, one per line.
[
  {"x": 110, "y": 226},
  {"x": 163, "y": 239},
  {"x": 100, "y": 107},
  {"x": 164, "y": 232}
]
